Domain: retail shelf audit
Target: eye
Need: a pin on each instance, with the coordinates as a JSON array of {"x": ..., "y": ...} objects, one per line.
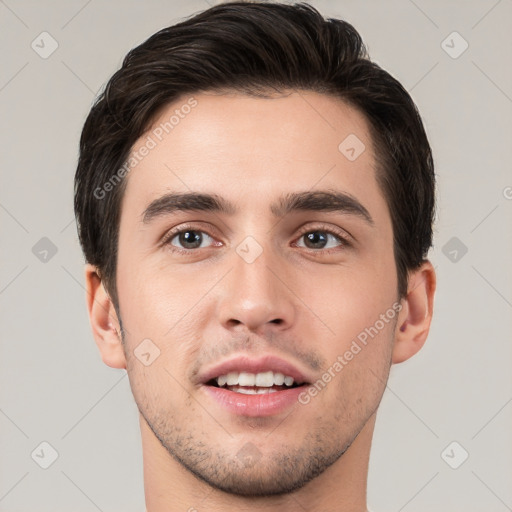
[
  {"x": 322, "y": 239},
  {"x": 187, "y": 239}
]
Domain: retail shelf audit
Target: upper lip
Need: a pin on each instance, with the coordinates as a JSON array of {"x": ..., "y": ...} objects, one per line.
[{"x": 244, "y": 363}]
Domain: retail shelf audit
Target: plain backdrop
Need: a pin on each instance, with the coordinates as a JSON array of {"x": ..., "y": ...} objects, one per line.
[{"x": 443, "y": 438}]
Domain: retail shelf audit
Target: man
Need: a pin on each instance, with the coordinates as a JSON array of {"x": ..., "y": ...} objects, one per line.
[{"x": 255, "y": 201}]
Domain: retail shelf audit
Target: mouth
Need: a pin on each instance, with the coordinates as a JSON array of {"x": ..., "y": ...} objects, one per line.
[
  {"x": 262, "y": 387},
  {"x": 255, "y": 383}
]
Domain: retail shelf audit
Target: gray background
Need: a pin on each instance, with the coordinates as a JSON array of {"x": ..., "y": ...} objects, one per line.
[{"x": 54, "y": 387}]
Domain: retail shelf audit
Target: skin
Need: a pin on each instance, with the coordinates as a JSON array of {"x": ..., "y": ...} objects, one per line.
[{"x": 203, "y": 306}]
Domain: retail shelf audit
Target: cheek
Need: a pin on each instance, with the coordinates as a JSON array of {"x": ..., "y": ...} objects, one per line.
[
  {"x": 351, "y": 299},
  {"x": 359, "y": 309},
  {"x": 154, "y": 299},
  {"x": 156, "y": 389},
  {"x": 358, "y": 368}
]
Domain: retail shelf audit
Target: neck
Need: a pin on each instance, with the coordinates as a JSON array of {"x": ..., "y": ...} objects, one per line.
[{"x": 169, "y": 487}]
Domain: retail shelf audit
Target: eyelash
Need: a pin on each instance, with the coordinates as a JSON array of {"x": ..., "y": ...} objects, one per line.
[{"x": 343, "y": 239}]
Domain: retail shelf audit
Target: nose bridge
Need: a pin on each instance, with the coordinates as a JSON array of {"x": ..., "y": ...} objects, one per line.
[{"x": 254, "y": 296}]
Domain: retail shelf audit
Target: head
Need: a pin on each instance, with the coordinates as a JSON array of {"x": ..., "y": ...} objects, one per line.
[{"x": 265, "y": 121}]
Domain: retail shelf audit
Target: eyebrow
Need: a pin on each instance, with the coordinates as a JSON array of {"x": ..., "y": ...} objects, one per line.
[{"x": 318, "y": 201}]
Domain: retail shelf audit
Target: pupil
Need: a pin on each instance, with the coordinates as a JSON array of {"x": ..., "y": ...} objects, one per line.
[
  {"x": 315, "y": 238},
  {"x": 190, "y": 239}
]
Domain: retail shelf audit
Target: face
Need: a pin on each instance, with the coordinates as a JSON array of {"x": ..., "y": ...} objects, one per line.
[{"x": 284, "y": 264}]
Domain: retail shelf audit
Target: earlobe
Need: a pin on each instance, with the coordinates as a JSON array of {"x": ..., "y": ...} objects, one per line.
[
  {"x": 103, "y": 319},
  {"x": 416, "y": 314}
]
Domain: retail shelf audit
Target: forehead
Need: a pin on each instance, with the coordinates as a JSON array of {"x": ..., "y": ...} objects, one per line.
[{"x": 249, "y": 149}]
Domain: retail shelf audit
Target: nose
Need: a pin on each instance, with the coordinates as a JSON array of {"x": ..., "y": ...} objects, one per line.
[{"x": 257, "y": 296}]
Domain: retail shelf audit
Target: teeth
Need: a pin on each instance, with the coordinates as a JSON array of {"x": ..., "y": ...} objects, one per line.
[
  {"x": 288, "y": 381},
  {"x": 232, "y": 379},
  {"x": 278, "y": 379},
  {"x": 246, "y": 379},
  {"x": 247, "y": 391},
  {"x": 263, "y": 379}
]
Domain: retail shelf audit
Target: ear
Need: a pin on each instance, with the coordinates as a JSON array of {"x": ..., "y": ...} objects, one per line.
[
  {"x": 416, "y": 314},
  {"x": 103, "y": 319}
]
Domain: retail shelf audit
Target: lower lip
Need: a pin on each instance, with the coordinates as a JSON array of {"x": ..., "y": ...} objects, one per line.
[{"x": 266, "y": 404}]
